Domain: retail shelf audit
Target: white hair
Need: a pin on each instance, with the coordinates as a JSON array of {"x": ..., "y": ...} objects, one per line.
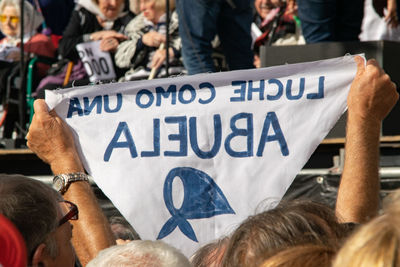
[
  {"x": 32, "y": 18},
  {"x": 143, "y": 253}
]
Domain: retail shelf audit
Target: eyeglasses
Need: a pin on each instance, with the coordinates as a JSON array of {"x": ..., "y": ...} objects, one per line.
[
  {"x": 70, "y": 210},
  {"x": 13, "y": 19}
]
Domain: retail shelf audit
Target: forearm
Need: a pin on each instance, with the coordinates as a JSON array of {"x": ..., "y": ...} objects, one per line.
[
  {"x": 52, "y": 140},
  {"x": 91, "y": 232},
  {"x": 358, "y": 194}
]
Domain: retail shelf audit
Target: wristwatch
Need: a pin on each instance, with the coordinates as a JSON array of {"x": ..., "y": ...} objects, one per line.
[{"x": 61, "y": 182}]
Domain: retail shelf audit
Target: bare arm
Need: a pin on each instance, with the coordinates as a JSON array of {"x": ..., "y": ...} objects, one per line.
[
  {"x": 51, "y": 139},
  {"x": 372, "y": 95},
  {"x": 391, "y": 16}
]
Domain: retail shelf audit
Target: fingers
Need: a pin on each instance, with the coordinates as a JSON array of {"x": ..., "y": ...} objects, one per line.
[
  {"x": 116, "y": 35},
  {"x": 372, "y": 94},
  {"x": 360, "y": 65},
  {"x": 155, "y": 62},
  {"x": 156, "y": 41},
  {"x": 391, "y": 18},
  {"x": 373, "y": 62},
  {"x": 40, "y": 107},
  {"x": 122, "y": 242},
  {"x": 158, "y": 63},
  {"x": 158, "y": 58},
  {"x": 121, "y": 37},
  {"x": 162, "y": 38},
  {"x": 107, "y": 34},
  {"x": 373, "y": 67},
  {"x": 153, "y": 39},
  {"x": 109, "y": 44}
]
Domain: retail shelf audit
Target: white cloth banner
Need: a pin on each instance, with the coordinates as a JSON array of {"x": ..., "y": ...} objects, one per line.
[
  {"x": 186, "y": 159},
  {"x": 97, "y": 63}
]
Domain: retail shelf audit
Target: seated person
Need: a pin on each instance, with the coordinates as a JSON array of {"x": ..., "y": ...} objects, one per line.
[
  {"x": 276, "y": 20},
  {"x": 34, "y": 42},
  {"x": 10, "y": 54},
  {"x": 92, "y": 20},
  {"x": 143, "y": 51}
]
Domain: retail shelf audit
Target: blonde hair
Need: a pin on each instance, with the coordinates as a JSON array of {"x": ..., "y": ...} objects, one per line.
[
  {"x": 160, "y": 5},
  {"x": 375, "y": 243},
  {"x": 309, "y": 255}
]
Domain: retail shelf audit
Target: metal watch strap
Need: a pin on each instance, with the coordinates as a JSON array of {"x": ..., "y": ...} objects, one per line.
[{"x": 69, "y": 178}]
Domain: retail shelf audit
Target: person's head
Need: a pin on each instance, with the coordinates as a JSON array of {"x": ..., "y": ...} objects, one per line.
[
  {"x": 376, "y": 243},
  {"x": 10, "y": 18},
  {"x": 210, "y": 255},
  {"x": 110, "y": 8},
  {"x": 37, "y": 210},
  {"x": 154, "y": 9},
  {"x": 309, "y": 255},
  {"x": 143, "y": 253},
  {"x": 373, "y": 244},
  {"x": 289, "y": 224},
  {"x": 263, "y": 7},
  {"x": 122, "y": 229}
]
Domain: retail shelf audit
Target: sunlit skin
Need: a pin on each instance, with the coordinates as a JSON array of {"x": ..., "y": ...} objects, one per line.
[
  {"x": 263, "y": 7},
  {"x": 66, "y": 254},
  {"x": 110, "y": 8},
  {"x": 8, "y": 27},
  {"x": 148, "y": 8},
  {"x": 109, "y": 38}
]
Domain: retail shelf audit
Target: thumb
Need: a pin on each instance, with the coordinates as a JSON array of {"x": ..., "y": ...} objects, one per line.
[
  {"x": 360, "y": 65},
  {"x": 40, "y": 107}
]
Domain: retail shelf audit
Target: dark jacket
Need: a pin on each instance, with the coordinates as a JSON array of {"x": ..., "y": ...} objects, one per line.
[{"x": 82, "y": 24}]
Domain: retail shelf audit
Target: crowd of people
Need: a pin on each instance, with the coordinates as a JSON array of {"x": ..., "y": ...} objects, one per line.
[
  {"x": 41, "y": 226},
  {"x": 203, "y": 36},
  {"x": 294, "y": 233},
  {"x": 134, "y": 33}
]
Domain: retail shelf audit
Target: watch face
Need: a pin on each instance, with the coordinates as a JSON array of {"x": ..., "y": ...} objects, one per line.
[{"x": 58, "y": 183}]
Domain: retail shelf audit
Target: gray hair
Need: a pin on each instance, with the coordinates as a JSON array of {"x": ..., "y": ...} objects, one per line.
[
  {"x": 122, "y": 229},
  {"x": 143, "y": 253},
  {"x": 32, "y": 18},
  {"x": 32, "y": 207}
]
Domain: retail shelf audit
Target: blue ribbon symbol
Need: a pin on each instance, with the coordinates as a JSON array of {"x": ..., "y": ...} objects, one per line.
[{"x": 202, "y": 199}]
